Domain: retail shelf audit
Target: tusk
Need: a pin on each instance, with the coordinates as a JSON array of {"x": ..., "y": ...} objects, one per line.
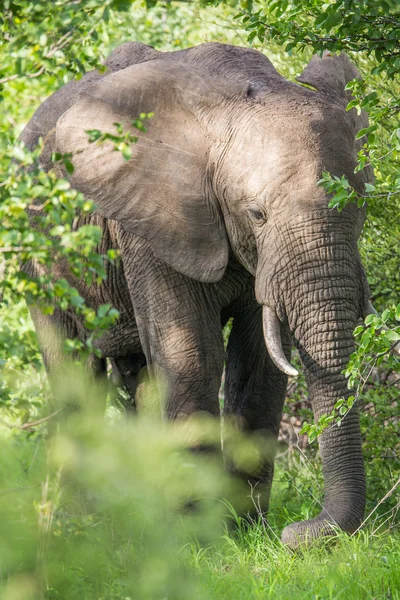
[
  {"x": 272, "y": 335},
  {"x": 370, "y": 310}
]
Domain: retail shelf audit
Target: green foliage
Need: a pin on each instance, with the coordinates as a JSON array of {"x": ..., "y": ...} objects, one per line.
[
  {"x": 380, "y": 427},
  {"x": 341, "y": 190},
  {"x": 376, "y": 340},
  {"x": 23, "y": 385},
  {"x": 52, "y": 204},
  {"x": 99, "y": 513},
  {"x": 339, "y": 412},
  {"x": 45, "y": 236},
  {"x": 47, "y": 36},
  {"x": 370, "y": 26}
]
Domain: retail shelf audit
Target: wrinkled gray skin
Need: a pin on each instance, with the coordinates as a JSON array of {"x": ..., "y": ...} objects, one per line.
[{"x": 216, "y": 215}]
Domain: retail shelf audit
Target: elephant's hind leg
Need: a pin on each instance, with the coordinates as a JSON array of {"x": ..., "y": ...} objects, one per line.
[
  {"x": 254, "y": 396},
  {"x": 68, "y": 379}
]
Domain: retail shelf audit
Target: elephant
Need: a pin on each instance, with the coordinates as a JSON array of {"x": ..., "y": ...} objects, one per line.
[{"x": 218, "y": 215}]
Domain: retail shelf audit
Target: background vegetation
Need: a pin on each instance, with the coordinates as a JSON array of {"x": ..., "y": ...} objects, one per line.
[{"x": 97, "y": 514}]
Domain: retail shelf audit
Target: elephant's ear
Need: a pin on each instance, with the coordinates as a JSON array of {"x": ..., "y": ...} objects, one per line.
[
  {"x": 163, "y": 192},
  {"x": 330, "y": 74}
]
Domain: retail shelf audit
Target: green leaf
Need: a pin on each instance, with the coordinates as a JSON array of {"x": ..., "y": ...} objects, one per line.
[
  {"x": 126, "y": 152},
  {"x": 320, "y": 18},
  {"x": 69, "y": 167},
  {"x": 392, "y": 336},
  {"x": 361, "y": 133},
  {"x": 103, "y": 310},
  {"x": 332, "y": 20},
  {"x": 397, "y": 313},
  {"x": 370, "y": 319}
]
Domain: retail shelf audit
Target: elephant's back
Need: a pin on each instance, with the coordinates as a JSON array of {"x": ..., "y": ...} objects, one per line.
[{"x": 243, "y": 65}]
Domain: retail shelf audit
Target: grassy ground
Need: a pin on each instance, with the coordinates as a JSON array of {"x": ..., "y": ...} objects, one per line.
[
  {"x": 256, "y": 566},
  {"x": 97, "y": 514}
]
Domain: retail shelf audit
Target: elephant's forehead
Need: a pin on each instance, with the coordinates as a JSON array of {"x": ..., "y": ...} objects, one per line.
[
  {"x": 270, "y": 160},
  {"x": 288, "y": 146},
  {"x": 285, "y": 124}
]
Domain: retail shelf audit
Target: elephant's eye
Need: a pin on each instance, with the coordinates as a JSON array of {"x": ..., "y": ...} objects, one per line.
[{"x": 256, "y": 214}]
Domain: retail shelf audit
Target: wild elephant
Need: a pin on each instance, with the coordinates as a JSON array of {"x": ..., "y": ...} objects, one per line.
[{"x": 218, "y": 215}]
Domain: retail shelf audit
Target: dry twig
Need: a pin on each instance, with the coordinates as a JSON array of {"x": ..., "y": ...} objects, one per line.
[{"x": 385, "y": 497}]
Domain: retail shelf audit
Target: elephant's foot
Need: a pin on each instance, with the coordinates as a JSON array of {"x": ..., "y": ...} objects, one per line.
[{"x": 303, "y": 533}]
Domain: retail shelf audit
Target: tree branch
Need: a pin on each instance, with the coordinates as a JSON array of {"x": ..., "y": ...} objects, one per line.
[
  {"x": 32, "y": 424},
  {"x": 61, "y": 43},
  {"x": 29, "y": 76}
]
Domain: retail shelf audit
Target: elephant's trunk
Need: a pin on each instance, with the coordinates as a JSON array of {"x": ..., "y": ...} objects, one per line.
[
  {"x": 325, "y": 354},
  {"x": 322, "y": 301}
]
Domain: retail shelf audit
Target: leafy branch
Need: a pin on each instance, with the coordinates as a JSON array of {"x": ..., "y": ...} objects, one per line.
[
  {"x": 124, "y": 139},
  {"x": 376, "y": 341}
]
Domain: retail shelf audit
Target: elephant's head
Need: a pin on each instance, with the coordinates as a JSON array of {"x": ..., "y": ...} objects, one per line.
[{"x": 231, "y": 160}]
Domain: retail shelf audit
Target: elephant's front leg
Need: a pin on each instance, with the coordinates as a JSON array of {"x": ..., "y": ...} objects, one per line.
[
  {"x": 181, "y": 336},
  {"x": 184, "y": 350},
  {"x": 254, "y": 396}
]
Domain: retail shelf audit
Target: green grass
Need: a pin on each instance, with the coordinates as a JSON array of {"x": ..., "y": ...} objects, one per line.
[
  {"x": 256, "y": 566},
  {"x": 98, "y": 513}
]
